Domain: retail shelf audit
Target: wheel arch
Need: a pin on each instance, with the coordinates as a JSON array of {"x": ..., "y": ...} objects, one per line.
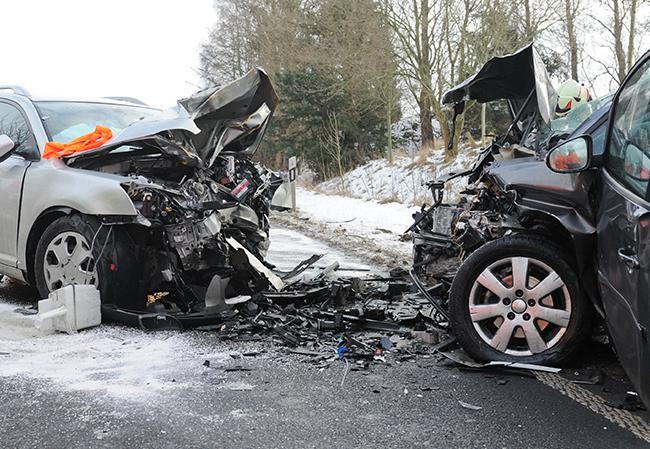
[
  {"x": 550, "y": 228},
  {"x": 41, "y": 223},
  {"x": 577, "y": 243}
]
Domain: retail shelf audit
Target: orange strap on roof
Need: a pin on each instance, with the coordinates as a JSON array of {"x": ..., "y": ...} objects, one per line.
[{"x": 55, "y": 150}]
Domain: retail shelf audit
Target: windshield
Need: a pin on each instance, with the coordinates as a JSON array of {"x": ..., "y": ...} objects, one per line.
[
  {"x": 564, "y": 126},
  {"x": 67, "y": 120},
  {"x": 577, "y": 115}
]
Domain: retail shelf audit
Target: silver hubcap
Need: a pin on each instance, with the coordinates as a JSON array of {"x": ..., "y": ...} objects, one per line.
[
  {"x": 68, "y": 260},
  {"x": 520, "y": 306}
]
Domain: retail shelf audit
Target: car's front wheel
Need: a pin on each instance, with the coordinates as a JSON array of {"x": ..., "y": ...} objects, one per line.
[
  {"x": 518, "y": 299},
  {"x": 76, "y": 249}
]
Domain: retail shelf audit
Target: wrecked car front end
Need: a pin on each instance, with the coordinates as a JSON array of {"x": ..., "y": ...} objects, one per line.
[
  {"x": 200, "y": 220},
  {"x": 509, "y": 188},
  {"x": 510, "y": 191}
]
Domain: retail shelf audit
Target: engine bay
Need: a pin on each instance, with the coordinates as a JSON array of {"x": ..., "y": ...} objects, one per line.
[{"x": 186, "y": 213}]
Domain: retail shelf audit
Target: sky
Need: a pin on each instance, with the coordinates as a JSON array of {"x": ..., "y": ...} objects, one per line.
[{"x": 146, "y": 49}]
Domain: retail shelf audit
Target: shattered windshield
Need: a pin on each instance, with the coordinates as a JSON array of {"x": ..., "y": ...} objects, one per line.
[
  {"x": 577, "y": 115},
  {"x": 67, "y": 120}
]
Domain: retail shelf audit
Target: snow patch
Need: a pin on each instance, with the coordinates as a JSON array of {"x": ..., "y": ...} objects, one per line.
[
  {"x": 121, "y": 362},
  {"x": 404, "y": 181},
  {"x": 290, "y": 247}
]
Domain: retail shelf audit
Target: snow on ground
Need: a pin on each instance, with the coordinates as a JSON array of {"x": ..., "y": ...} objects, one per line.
[
  {"x": 404, "y": 181},
  {"x": 377, "y": 200},
  {"x": 382, "y": 223},
  {"x": 122, "y": 362}
]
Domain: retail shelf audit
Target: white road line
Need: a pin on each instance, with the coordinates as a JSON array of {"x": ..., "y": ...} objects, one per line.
[{"x": 596, "y": 404}]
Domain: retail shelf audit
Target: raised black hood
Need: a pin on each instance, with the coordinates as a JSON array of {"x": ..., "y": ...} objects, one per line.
[{"x": 512, "y": 77}]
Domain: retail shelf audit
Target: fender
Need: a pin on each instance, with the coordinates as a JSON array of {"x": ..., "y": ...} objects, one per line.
[
  {"x": 564, "y": 200},
  {"x": 51, "y": 184}
]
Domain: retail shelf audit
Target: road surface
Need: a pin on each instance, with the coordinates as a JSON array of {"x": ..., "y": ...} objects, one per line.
[{"x": 119, "y": 387}]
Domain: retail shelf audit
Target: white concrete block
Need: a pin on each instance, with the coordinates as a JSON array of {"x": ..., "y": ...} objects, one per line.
[{"x": 70, "y": 309}]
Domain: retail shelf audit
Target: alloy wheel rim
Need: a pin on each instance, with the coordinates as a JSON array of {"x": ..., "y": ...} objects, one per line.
[
  {"x": 68, "y": 260},
  {"x": 520, "y": 306}
]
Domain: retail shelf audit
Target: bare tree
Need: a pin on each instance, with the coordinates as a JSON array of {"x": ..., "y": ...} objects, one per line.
[
  {"x": 330, "y": 141},
  {"x": 412, "y": 23},
  {"x": 459, "y": 49},
  {"x": 229, "y": 51},
  {"x": 390, "y": 96},
  {"x": 571, "y": 8},
  {"x": 632, "y": 34},
  {"x": 618, "y": 21}
]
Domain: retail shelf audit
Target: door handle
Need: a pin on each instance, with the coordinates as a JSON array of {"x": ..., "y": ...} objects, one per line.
[{"x": 630, "y": 260}]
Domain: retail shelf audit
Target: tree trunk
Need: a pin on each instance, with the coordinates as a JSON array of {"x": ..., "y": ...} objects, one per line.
[
  {"x": 618, "y": 42},
  {"x": 528, "y": 32},
  {"x": 425, "y": 76},
  {"x": 389, "y": 131},
  {"x": 571, "y": 35},
  {"x": 426, "y": 126},
  {"x": 445, "y": 131},
  {"x": 443, "y": 116},
  {"x": 630, "y": 40}
]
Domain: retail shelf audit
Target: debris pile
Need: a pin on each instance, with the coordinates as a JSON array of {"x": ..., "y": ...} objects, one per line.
[{"x": 316, "y": 313}]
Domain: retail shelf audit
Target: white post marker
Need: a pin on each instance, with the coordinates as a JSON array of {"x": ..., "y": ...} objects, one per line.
[{"x": 292, "y": 180}]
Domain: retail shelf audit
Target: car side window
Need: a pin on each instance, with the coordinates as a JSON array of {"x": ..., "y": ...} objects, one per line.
[
  {"x": 628, "y": 159},
  {"x": 14, "y": 125}
]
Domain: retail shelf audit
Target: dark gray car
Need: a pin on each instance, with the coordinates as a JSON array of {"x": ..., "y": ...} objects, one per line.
[
  {"x": 622, "y": 219},
  {"x": 550, "y": 239}
]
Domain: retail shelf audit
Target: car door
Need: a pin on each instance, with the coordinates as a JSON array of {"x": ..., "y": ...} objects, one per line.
[
  {"x": 624, "y": 227},
  {"x": 14, "y": 124}
]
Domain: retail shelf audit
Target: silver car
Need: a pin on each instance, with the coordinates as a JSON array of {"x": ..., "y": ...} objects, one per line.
[{"x": 146, "y": 216}]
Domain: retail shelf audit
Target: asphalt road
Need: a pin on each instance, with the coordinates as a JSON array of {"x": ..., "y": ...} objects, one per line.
[{"x": 116, "y": 387}]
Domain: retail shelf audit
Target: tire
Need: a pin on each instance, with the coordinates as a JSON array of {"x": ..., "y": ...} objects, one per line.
[
  {"x": 117, "y": 273},
  {"x": 514, "y": 310}
]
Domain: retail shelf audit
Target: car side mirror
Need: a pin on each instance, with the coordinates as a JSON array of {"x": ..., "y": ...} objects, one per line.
[
  {"x": 6, "y": 146},
  {"x": 571, "y": 156}
]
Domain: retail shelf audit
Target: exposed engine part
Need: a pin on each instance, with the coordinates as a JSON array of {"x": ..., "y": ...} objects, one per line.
[
  {"x": 190, "y": 238},
  {"x": 188, "y": 213},
  {"x": 484, "y": 212}
]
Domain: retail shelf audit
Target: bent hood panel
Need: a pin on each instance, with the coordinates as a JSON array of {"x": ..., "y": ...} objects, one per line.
[
  {"x": 174, "y": 122},
  {"x": 511, "y": 77},
  {"x": 232, "y": 118}
]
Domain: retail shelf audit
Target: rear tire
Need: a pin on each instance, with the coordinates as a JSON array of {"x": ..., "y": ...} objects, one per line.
[
  {"x": 496, "y": 313},
  {"x": 67, "y": 251}
]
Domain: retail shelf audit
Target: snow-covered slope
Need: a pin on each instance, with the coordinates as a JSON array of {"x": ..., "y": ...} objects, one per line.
[
  {"x": 367, "y": 211},
  {"x": 404, "y": 181}
]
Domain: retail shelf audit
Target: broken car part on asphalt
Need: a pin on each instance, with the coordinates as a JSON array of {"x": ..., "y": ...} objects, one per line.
[{"x": 69, "y": 309}]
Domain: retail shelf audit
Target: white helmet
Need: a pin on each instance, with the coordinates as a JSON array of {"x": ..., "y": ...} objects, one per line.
[{"x": 570, "y": 94}]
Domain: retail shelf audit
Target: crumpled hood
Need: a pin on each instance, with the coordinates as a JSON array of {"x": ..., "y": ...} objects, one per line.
[
  {"x": 511, "y": 77},
  {"x": 231, "y": 119}
]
